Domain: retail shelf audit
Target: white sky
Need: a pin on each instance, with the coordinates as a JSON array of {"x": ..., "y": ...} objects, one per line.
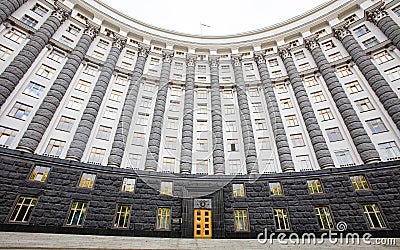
[{"x": 225, "y": 17}]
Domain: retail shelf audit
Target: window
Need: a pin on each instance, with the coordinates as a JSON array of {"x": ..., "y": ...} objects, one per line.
[
  {"x": 241, "y": 220},
  {"x": 103, "y": 44},
  {"x": 126, "y": 65},
  {"x": 23, "y": 209},
  {"x": 87, "y": 180},
  {"x": 273, "y": 62},
  {"x": 268, "y": 167},
  {"x": 154, "y": 61},
  {"x": 66, "y": 41},
  {"x": 376, "y": 125},
  {"x": 83, "y": 86},
  {"x": 275, "y": 189},
  {"x": 281, "y": 219},
  {"x": 73, "y": 30},
  {"x": 129, "y": 54},
  {"x": 65, "y": 124},
  {"x": 201, "y": 68},
  {"x": 335, "y": 56},
  {"x": 168, "y": 165},
  {"x": 233, "y": 145},
  {"x": 257, "y": 107},
  {"x": 310, "y": 81},
  {"x": 253, "y": 92},
  {"x": 5, "y": 52},
  {"x": 39, "y": 9},
  {"x": 382, "y": 57},
  {"x": 7, "y": 136},
  {"x": 303, "y": 162},
  {"x": 229, "y": 109},
  {"x": 318, "y": 96},
  {"x": 299, "y": 55},
  {"x": 128, "y": 185},
  {"x": 96, "y": 155},
  {"x": 201, "y": 78},
  {"x": 134, "y": 161},
  {"x": 178, "y": 66},
  {"x": 202, "y": 125},
  {"x": 314, "y": 187},
  {"x": 396, "y": 10},
  {"x": 202, "y": 108},
  {"x": 389, "y": 150},
  {"x": 225, "y": 69},
  {"x": 364, "y": 105},
  {"x": 321, "y": 33},
  {"x": 265, "y": 143},
  {"x": 15, "y": 35},
  {"x": 75, "y": 103},
  {"x": 297, "y": 140},
  {"x": 172, "y": 123},
  {"x": 328, "y": 45},
  {"x": 292, "y": 121},
  {"x": 261, "y": 124},
  {"x": 31, "y": 22},
  {"x": 39, "y": 173},
  {"x": 34, "y": 90},
  {"x": 170, "y": 142},
  {"x": 175, "y": 91},
  {"x": 362, "y": 30},
  {"x": 146, "y": 102},
  {"x": 202, "y": 94},
  {"x": 54, "y": 148},
  {"x": 142, "y": 119},
  {"x": 281, "y": 88},
  {"x": 393, "y": 73},
  {"x": 269, "y": 51},
  {"x": 234, "y": 167},
  {"x": 250, "y": 77},
  {"x": 121, "y": 80},
  {"x": 371, "y": 42},
  {"x": 138, "y": 139},
  {"x": 228, "y": 94},
  {"x": 359, "y": 182},
  {"x": 174, "y": 106},
  {"x": 202, "y": 144},
  {"x": 104, "y": 133},
  {"x": 177, "y": 76},
  {"x": 90, "y": 70},
  {"x": 344, "y": 157},
  {"x": 286, "y": 103},
  {"x": 304, "y": 66},
  {"x": 276, "y": 74},
  {"x": 354, "y": 87},
  {"x": 46, "y": 71},
  {"x": 344, "y": 71},
  {"x": 81, "y": 18},
  {"x": 77, "y": 213},
  {"x": 326, "y": 114},
  {"x": 202, "y": 167},
  {"x": 166, "y": 187},
  {"x": 226, "y": 79},
  {"x": 110, "y": 113},
  {"x": 56, "y": 55},
  {"x": 179, "y": 53},
  {"x": 324, "y": 218},
  {"x": 116, "y": 96},
  {"x": 20, "y": 111},
  {"x": 98, "y": 55},
  {"x": 351, "y": 19},
  {"x": 374, "y": 216},
  {"x": 334, "y": 134},
  {"x": 238, "y": 190},
  {"x": 164, "y": 218},
  {"x": 231, "y": 126},
  {"x": 122, "y": 216}
]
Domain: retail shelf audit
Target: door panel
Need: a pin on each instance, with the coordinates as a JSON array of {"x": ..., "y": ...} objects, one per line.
[{"x": 202, "y": 223}]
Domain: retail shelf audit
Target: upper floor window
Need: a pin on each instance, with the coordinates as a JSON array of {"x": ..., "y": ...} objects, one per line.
[
  {"x": 74, "y": 30},
  {"x": 335, "y": 56},
  {"x": 389, "y": 150},
  {"x": 90, "y": 70},
  {"x": 359, "y": 182},
  {"x": 344, "y": 157},
  {"x": 318, "y": 96},
  {"x": 178, "y": 65},
  {"x": 260, "y": 124},
  {"x": 362, "y": 30},
  {"x": 81, "y": 18},
  {"x": 373, "y": 41},
  {"x": 304, "y": 66},
  {"x": 354, "y": 87},
  {"x": 56, "y": 55},
  {"x": 286, "y": 103},
  {"x": 98, "y": 54},
  {"x": 15, "y": 35},
  {"x": 65, "y": 124},
  {"x": 304, "y": 163},
  {"x": 46, "y": 71},
  {"x": 103, "y": 44},
  {"x": 376, "y": 125},
  {"x": 253, "y": 92},
  {"x": 5, "y": 52},
  {"x": 273, "y": 62},
  {"x": 166, "y": 187},
  {"x": 269, "y": 51},
  {"x": 265, "y": 143},
  {"x": 344, "y": 71},
  {"x": 396, "y": 10},
  {"x": 28, "y": 20},
  {"x": 23, "y": 209},
  {"x": 121, "y": 80},
  {"x": 229, "y": 109},
  {"x": 328, "y": 45},
  {"x": 233, "y": 145},
  {"x": 54, "y": 148},
  {"x": 228, "y": 93},
  {"x": 321, "y": 33},
  {"x": 176, "y": 91},
  {"x": 7, "y": 136},
  {"x": 20, "y": 111},
  {"x": 104, "y": 133},
  {"x": 116, "y": 96},
  {"x": 134, "y": 161},
  {"x": 202, "y": 94},
  {"x": 83, "y": 86},
  {"x": 299, "y": 55},
  {"x": 294, "y": 43},
  {"x": 66, "y": 41},
  {"x": 33, "y": 89},
  {"x": 326, "y": 114},
  {"x": 315, "y": 187},
  {"x": 382, "y": 57},
  {"x": 110, "y": 113},
  {"x": 275, "y": 189},
  {"x": 202, "y": 144},
  {"x": 96, "y": 155},
  {"x": 238, "y": 190},
  {"x": 393, "y": 73},
  {"x": 170, "y": 142},
  {"x": 249, "y": 66},
  {"x": 39, "y": 9},
  {"x": 257, "y": 107},
  {"x": 148, "y": 87},
  {"x": 231, "y": 126},
  {"x": 281, "y": 88},
  {"x": 75, "y": 103},
  {"x": 225, "y": 69},
  {"x": 276, "y": 73},
  {"x": 128, "y": 185},
  {"x": 297, "y": 140},
  {"x": 129, "y": 54},
  {"x": 138, "y": 139},
  {"x": 351, "y": 19},
  {"x": 268, "y": 166},
  {"x": 364, "y": 105},
  {"x": 334, "y": 134},
  {"x": 292, "y": 121},
  {"x": 201, "y": 68},
  {"x": 39, "y": 173},
  {"x": 310, "y": 81},
  {"x": 235, "y": 167},
  {"x": 142, "y": 119}
]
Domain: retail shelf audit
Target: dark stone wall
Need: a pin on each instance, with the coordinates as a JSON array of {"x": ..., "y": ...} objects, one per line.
[{"x": 60, "y": 189}]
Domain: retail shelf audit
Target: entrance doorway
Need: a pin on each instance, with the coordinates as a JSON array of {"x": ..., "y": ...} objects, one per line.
[{"x": 202, "y": 223}]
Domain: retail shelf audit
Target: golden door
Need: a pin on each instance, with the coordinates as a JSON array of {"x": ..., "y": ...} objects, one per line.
[{"x": 202, "y": 223}]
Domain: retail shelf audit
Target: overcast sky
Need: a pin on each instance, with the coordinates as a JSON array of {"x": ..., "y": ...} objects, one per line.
[{"x": 224, "y": 17}]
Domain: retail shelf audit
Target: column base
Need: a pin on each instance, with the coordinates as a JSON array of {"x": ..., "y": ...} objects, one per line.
[
  {"x": 113, "y": 165},
  {"x": 328, "y": 166},
  {"x": 288, "y": 170},
  {"x": 25, "y": 149},
  {"x": 185, "y": 172},
  {"x": 372, "y": 161},
  {"x": 72, "y": 158}
]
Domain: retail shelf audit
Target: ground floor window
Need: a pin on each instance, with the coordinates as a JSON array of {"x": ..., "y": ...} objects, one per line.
[
  {"x": 23, "y": 209},
  {"x": 281, "y": 219},
  {"x": 164, "y": 218},
  {"x": 374, "y": 216},
  {"x": 241, "y": 220},
  {"x": 324, "y": 217},
  {"x": 122, "y": 216},
  {"x": 77, "y": 213}
]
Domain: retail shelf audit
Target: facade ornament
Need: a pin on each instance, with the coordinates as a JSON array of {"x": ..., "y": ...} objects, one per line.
[
  {"x": 213, "y": 61},
  {"x": 376, "y": 14},
  {"x": 311, "y": 43},
  {"x": 60, "y": 14},
  {"x": 119, "y": 43},
  {"x": 49, "y": 47},
  {"x": 259, "y": 58},
  {"x": 91, "y": 30},
  {"x": 237, "y": 60},
  {"x": 7, "y": 24},
  {"x": 143, "y": 50},
  {"x": 167, "y": 56},
  {"x": 284, "y": 52},
  {"x": 190, "y": 60},
  {"x": 340, "y": 32}
]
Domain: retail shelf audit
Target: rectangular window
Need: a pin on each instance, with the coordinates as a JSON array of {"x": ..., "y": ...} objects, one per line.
[
  {"x": 81, "y": 18},
  {"x": 121, "y": 80},
  {"x": 229, "y": 109},
  {"x": 170, "y": 142},
  {"x": 154, "y": 61},
  {"x": 374, "y": 216},
  {"x": 376, "y": 125},
  {"x": 164, "y": 218},
  {"x": 29, "y": 21},
  {"x": 318, "y": 96},
  {"x": 46, "y": 71},
  {"x": 126, "y": 65},
  {"x": 268, "y": 167},
  {"x": 273, "y": 62},
  {"x": 389, "y": 150},
  {"x": 202, "y": 144},
  {"x": 202, "y": 108},
  {"x": 23, "y": 209},
  {"x": 292, "y": 121},
  {"x": 138, "y": 139},
  {"x": 201, "y": 68},
  {"x": 250, "y": 77},
  {"x": 34, "y": 90},
  {"x": 129, "y": 54},
  {"x": 281, "y": 219},
  {"x": 351, "y": 19},
  {"x": 265, "y": 143},
  {"x": 328, "y": 45},
  {"x": 261, "y": 124},
  {"x": 286, "y": 103},
  {"x": 146, "y": 102},
  {"x": 253, "y": 92},
  {"x": 39, "y": 173},
  {"x": 257, "y": 107},
  {"x": 201, "y": 78},
  {"x": 77, "y": 213},
  {"x": 275, "y": 189},
  {"x": 294, "y": 43},
  {"x": 172, "y": 123},
  {"x": 233, "y": 145},
  {"x": 326, "y": 114},
  {"x": 393, "y": 73},
  {"x": 303, "y": 162},
  {"x": 104, "y": 133},
  {"x": 65, "y": 124},
  {"x": 90, "y": 70},
  {"x": 382, "y": 57},
  {"x": 343, "y": 71},
  {"x": 202, "y": 167},
  {"x": 238, "y": 190},
  {"x": 83, "y": 86},
  {"x": 344, "y": 157},
  {"x": 228, "y": 94},
  {"x": 74, "y": 30},
  {"x": 98, "y": 54},
  {"x": 54, "y": 148},
  {"x": 304, "y": 66},
  {"x": 241, "y": 220},
  {"x": 396, "y": 10},
  {"x": 5, "y": 52},
  {"x": 110, "y": 113},
  {"x": 248, "y": 66},
  {"x": 178, "y": 66},
  {"x": 231, "y": 126},
  {"x": 20, "y": 111},
  {"x": 103, "y": 44},
  {"x": 166, "y": 187},
  {"x": 56, "y": 55},
  {"x": 354, "y": 87},
  {"x": 96, "y": 155},
  {"x": 122, "y": 216},
  {"x": 324, "y": 218},
  {"x": 335, "y": 56},
  {"x": 202, "y": 125},
  {"x": 7, "y": 136},
  {"x": 362, "y": 30},
  {"x": 334, "y": 134},
  {"x": 276, "y": 74},
  {"x": 299, "y": 55},
  {"x": 226, "y": 79},
  {"x": 39, "y": 9},
  {"x": 174, "y": 106},
  {"x": 359, "y": 182},
  {"x": 321, "y": 33},
  {"x": 142, "y": 119},
  {"x": 310, "y": 81},
  {"x": 66, "y": 41},
  {"x": 87, "y": 180},
  {"x": 364, "y": 105},
  {"x": 134, "y": 161},
  {"x": 281, "y": 88},
  {"x": 234, "y": 167},
  {"x": 75, "y": 103},
  {"x": 202, "y": 94},
  {"x": 15, "y": 35},
  {"x": 225, "y": 69},
  {"x": 168, "y": 165},
  {"x": 314, "y": 187},
  {"x": 116, "y": 96},
  {"x": 373, "y": 41},
  {"x": 297, "y": 140},
  {"x": 175, "y": 91},
  {"x": 177, "y": 76},
  {"x": 128, "y": 185}
]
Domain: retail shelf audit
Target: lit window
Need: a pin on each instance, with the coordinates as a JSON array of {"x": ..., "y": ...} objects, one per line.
[
  {"x": 326, "y": 114},
  {"x": 142, "y": 119},
  {"x": 87, "y": 180},
  {"x": 335, "y": 56},
  {"x": 202, "y": 94},
  {"x": 122, "y": 216},
  {"x": 75, "y": 103},
  {"x": 103, "y": 44},
  {"x": 23, "y": 209},
  {"x": 257, "y": 107},
  {"x": 324, "y": 218},
  {"x": 275, "y": 189},
  {"x": 374, "y": 216},
  {"x": 73, "y": 30},
  {"x": 334, "y": 134},
  {"x": 178, "y": 66},
  {"x": 170, "y": 142},
  {"x": 304, "y": 66},
  {"x": 364, "y": 105},
  {"x": 261, "y": 124},
  {"x": 39, "y": 9},
  {"x": 90, "y": 70},
  {"x": 376, "y": 125},
  {"x": 344, "y": 157},
  {"x": 7, "y": 136},
  {"x": 166, "y": 187},
  {"x": 138, "y": 139},
  {"x": 172, "y": 123},
  {"x": 202, "y": 125},
  {"x": 98, "y": 55},
  {"x": 233, "y": 145},
  {"x": 318, "y": 96},
  {"x": 104, "y": 133},
  {"x": 96, "y": 155},
  {"x": 56, "y": 55},
  {"x": 129, "y": 54},
  {"x": 39, "y": 173},
  {"x": 174, "y": 106},
  {"x": 231, "y": 126},
  {"x": 146, "y": 102},
  {"x": 292, "y": 121},
  {"x": 5, "y": 52},
  {"x": 396, "y": 10},
  {"x": 354, "y": 87},
  {"x": 81, "y": 18},
  {"x": 303, "y": 162},
  {"x": 234, "y": 167},
  {"x": 276, "y": 74},
  {"x": 299, "y": 55},
  {"x": 297, "y": 140},
  {"x": 34, "y": 90},
  {"x": 268, "y": 167},
  {"x": 20, "y": 111},
  {"x": 228, "y": 94},
  {"x": 128, "y": 185},
  {"x": 65, "y": 124},
  {"x": 265, "y": 143},
  {"x": 134, "y": 161},
  {"x": 344, "y": 71},
  {"x": 229, "y": 109},
  {"x": 46, "y": 71},
  {"x": 393, "y": 73},
  {"x": 54, "y": 148},
  {"x": 238, "y": 190},
  {"x": 164, "y": 218},
  {"x": 201, "y": 69},
  {"x": 116, "y": 96},
  {"x": 15, "y": 35},
  {"x": 281, "y": 88},
  {"x": 286, "y": 103},
  {"x": 314, "y": 187},
  {"x": 77, "y": 213},
  {"x": 273, "y": 62},
  {"x": 328, "y": 45},
  {"x": 359, "y": 182},
  {"x": 382, "y": 57},
  {"x": 66, "y": 41},
  {"x": 362, "y": 30},
  {"x": 371, "y": 42},
  {"x": 321, "y": 33},
  {"x": 202, "y": 144},
  {"x": 389, "y": 150},
  {"x": 241, "y": 220},
  {"x": 281, "y": 219},
  {"x": 351, "y": 19},
  {"x": 31, "y": 22},
  {"x": 110, "y": 113},
  {"x": 202, "y": 167},
  {"x": 83, "y": 86}
]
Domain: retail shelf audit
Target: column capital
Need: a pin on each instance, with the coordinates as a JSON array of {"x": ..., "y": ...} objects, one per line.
[
  {"x": 213, "y": 61},
  {"x": 91, "y": 30},
  {"x": 311, "y": 42},
  {"x": 61, "y": 14},
  {"x": 143, "y": 50},
  {"x": 284, "y": 51},
  {"x": 237, "y": 60},
  {"x": 259, "y": 57},
  {"x": 167, "y": 55},
  {"x": 341, "y": 31},
  {"x": 376, "y": 14},
  {"x": 190, "y": 60},
  {"x": 119, "y": 42}
]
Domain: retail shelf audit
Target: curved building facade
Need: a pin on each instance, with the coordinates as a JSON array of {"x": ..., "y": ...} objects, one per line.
[{"x": 113, "y": 126}]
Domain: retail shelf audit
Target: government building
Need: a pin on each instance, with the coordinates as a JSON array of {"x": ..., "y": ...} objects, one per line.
[{"x": 111, "y": 126}]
